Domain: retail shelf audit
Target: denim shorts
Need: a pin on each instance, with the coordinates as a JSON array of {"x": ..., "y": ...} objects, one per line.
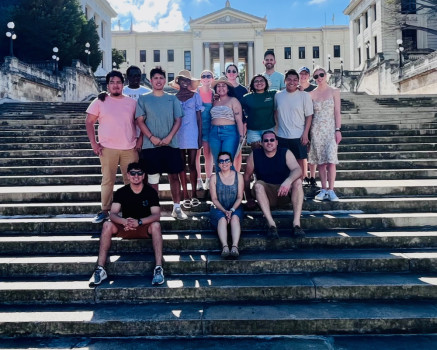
[{"x": 255, "y": 135}]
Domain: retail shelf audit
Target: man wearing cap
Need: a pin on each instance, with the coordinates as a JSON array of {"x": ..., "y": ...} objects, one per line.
[
  {"x": 158, "y": 115},
  {"x": 294, "y": 113},
  {"x": 276, "y": 79},
  {"x": 305, "y": 85},
  {"x": 135, "y": 213},
  {"x": 304, "y": 80}
]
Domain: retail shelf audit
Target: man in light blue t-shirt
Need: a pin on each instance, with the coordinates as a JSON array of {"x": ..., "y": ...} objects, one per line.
[{"x": 276, "y": 79}]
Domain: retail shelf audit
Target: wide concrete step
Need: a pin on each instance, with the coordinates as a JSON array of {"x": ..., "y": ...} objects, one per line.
[
  {"x": 198, "y": 221},
  {"x": 95, "y": 179},
  {"x": 221, "y": 288},
  {"x": 261, "y": 342},
  {"x": 389, "y": 139},
  {"x": 191, "y": 319},
  {"x": 295, "y": 261},
  {"x": 175, "y": 242},
  {"x": 368, "y": 205}
]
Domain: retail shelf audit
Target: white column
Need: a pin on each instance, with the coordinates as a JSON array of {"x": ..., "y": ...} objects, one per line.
[
  {"x": 222, "y": 57},
  {"x": 362, "y": 44},
  {"x": 197, "y": 58},
  {"x": 250, "y": 63},
  {"x": 207, "y": 62},
  {"x": 236, "y": 53}
]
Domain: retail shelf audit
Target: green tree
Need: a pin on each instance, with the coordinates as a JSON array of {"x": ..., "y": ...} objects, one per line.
[
  {"x": 43, "y": 24},
  {"x": 117, "y": 57}
]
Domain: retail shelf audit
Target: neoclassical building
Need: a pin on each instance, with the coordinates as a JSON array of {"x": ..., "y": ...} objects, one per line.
[
  {"x": 229, "y": 35},
  {"x": 102, "y": 12},
  {"x": 373, "y": 29}
]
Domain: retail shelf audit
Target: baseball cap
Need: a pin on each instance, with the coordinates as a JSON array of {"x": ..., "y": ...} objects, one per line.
[{"x": 304, "y": 69}]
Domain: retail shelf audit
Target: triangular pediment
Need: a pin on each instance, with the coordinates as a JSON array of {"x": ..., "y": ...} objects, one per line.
[{"x": 228, "y": 16}]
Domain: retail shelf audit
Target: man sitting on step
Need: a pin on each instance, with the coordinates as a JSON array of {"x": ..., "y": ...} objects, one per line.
[
  {"x": 139, "y": 205},
  {"x": 277, "y": 173}
]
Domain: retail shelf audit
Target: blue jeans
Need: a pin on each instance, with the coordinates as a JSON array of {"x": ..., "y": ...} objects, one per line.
[{"x": 223, "y": 138}]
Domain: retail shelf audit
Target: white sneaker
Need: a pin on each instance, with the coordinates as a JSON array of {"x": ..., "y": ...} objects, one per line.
[
  {"x": 322, "y": 195},
  {"x": 177, "y": 213},
  {"x": 331, "y": 196},
  {"x": 98, "y": 276},
  {"x": 206, "y": 186},
  {"x": 199, "y": 185}
]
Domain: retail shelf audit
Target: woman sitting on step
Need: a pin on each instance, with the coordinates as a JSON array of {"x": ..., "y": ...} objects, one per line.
[{"x": 226, "y": 188}]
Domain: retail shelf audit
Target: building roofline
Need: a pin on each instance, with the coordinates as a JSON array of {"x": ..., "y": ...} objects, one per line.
[{"x": 352, "y": 5}]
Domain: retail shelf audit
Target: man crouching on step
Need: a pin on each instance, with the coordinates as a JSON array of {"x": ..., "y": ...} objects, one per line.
[{"x": 139, "y": 205}]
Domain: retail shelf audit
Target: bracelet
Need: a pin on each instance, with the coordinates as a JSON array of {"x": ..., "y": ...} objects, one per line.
[
  {"x": 338, "y": 129},
  {"x": 232, "y": 210}
]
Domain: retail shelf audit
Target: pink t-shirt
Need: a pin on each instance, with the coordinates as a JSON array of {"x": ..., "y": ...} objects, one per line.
[{"x": 116, "y": 121}]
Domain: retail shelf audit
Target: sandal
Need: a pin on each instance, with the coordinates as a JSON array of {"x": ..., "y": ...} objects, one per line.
[
  {"x": 186, "y": 203},
  {"x": 234, "y": 252},
  {"x": 195, "y": 202},
  {"x": 225, "y": 251}
]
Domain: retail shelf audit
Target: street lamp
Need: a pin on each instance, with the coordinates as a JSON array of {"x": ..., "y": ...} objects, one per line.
[
  {"x": 55, "y": 58},
  {"x": 313, "y": 64},
  {"x": 400, "y": 50},
  {"x": 11, "y": 34},
  {"x": 341, "y": 71},
  {"x": 368, "y": 49},
  {"x": 88, "y": 52},
  {"x": 329, "y": 64},
  {"x": 114, "y": 65}
]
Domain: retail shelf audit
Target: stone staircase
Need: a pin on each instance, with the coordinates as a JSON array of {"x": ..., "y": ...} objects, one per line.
[{"x": 367, "y": 266}]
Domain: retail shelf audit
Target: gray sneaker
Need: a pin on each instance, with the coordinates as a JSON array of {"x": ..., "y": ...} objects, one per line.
[
  {"x": 100, "y": 217},
  {"x": 177, "y": 213},
  {"x": 98, "y": 276},
  {"x": 158, "y": 275}
]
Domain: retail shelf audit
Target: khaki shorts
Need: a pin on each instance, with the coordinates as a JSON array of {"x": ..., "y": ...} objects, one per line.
[
  {"x": 140, "y": 232},
  {"x": 272, "y": 194}
]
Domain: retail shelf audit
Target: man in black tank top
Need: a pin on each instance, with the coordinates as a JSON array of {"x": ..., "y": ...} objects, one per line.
[{"x": 278, "y": 175}]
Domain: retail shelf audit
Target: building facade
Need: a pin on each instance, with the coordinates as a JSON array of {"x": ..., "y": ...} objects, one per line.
[
  {"x": 102, "y": 13},
  {"x": 229, "y": 35},
  {"x": 374, "y": 29}
]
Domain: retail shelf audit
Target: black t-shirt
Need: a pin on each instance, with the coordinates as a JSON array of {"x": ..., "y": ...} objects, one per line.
[
  {"x": 311, "y": 87},
  {"x": 136, "y": 205}
]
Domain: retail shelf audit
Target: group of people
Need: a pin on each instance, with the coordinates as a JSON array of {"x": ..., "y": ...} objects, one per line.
[{"x": 290, "y": 125}]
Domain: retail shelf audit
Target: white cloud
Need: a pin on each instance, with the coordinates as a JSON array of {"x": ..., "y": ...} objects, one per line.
[
  {"x": 153, "y": 15},
  {"x": 316, "y": 2}
]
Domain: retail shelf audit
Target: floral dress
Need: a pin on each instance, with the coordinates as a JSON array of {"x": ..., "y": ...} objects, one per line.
[{"x": 323, "y": 148}]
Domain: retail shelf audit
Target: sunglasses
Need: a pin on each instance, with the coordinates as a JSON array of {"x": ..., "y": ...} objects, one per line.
[
  {"x": 321, "y": 75},
  {"x": 269, "y": 140},
  {"x": 259, "y": 81},
  {"x": 206, "y": 76},
  {"x": 231, "y": 71},
  {"x": 133, "y": 173},
  {"x": 224, "y": 161}
]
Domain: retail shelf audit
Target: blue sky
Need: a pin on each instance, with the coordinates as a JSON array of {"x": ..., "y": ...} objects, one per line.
[{"x": 170, "y": 15}]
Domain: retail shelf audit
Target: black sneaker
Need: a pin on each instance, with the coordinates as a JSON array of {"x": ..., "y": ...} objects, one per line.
[
  {"x": 298, "y": 232},
  {"x": 272, "y": 232},
  {"x": 306, "y": 182},
  {"x": 312, "y": 182}
]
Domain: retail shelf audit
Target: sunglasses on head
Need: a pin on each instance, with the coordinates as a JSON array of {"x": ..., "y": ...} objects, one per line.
[
  {"x": 133, "y": 172},
  {"x": 223, "y": 161},
  {"x": 321, "y": 75},
  {"x": 231, "y": 71},
  {"x": 269, "y": 140},
  {"x": 206, "y": 76}
]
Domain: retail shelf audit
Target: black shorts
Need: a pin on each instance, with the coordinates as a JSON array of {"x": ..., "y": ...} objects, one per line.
[
  {"x": 160, "y": 160},
  {"x": 295, "y": 146}
]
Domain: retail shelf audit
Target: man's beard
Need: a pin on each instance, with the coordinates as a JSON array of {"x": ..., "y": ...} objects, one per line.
[{"x": 116, "y": 94}]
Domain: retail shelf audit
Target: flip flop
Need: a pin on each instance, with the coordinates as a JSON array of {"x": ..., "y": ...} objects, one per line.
[
  {"x": 186, "y": 203},
  {"x": 195, "y": 202}
]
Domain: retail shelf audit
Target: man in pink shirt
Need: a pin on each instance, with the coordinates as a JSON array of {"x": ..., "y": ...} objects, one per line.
[{"x": 117, "y": 140}]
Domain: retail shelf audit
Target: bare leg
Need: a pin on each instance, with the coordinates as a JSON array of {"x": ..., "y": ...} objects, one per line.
[
  {"x": 222, "y": 231},
  {"x": 303, "y": 167},
  {"x": 193, "y": 172},
  {"x": 297, "y": 200},
  {"x": 208, "y": 159},
  {"x": 312, "y": 170},
  {"x": 322, "y": 175},
  {"x": 235, "y": 230},
  {"x": 263, "y": 202},
  {"x": 198, "y": 167},
  {"x": 155, "y": 231},
  {"x": 175, "y": 187},
  {"x": 183, "y": 177},
  {"x": 332, "y": 168},
  {"x": 108, "y": 230}
]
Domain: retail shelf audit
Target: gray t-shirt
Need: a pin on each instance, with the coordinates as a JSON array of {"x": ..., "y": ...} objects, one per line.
[
  {"x": 276, "y": 81},
  {"x": 160, "y": 113}
]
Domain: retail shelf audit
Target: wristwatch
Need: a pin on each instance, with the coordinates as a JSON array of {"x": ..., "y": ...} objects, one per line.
[
  {"x": 140, "y": 222},
  {"x": 338, "y": 129},
  {"x": 232, "y": 210}
]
